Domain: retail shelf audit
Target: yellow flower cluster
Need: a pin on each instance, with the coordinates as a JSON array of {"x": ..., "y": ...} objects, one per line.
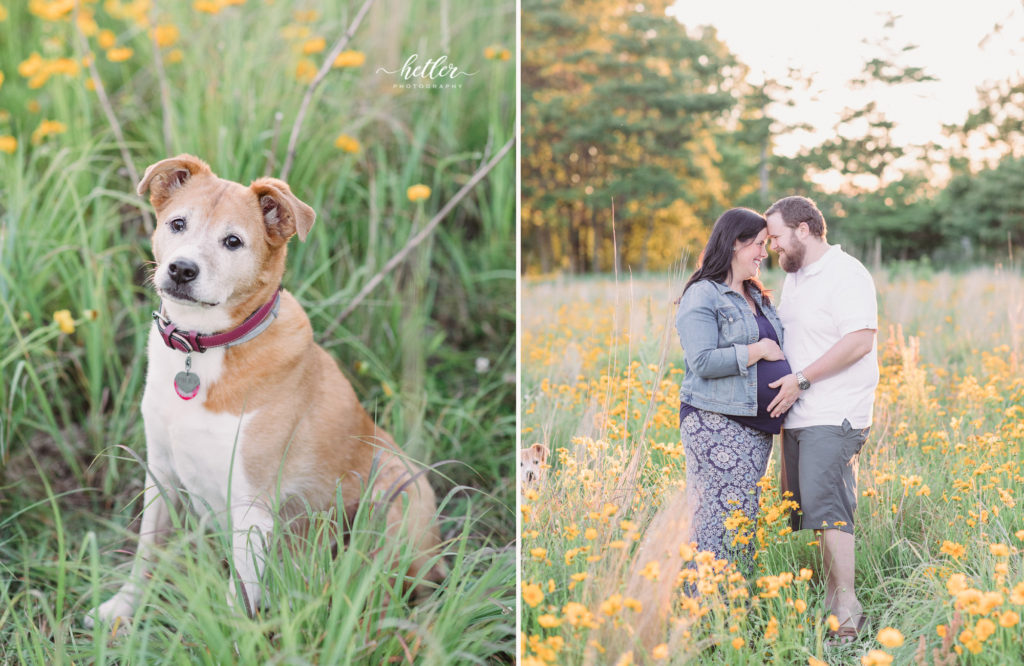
[
  {"x": 497, "y": 53},
  {"x": 38, "y": 69}
]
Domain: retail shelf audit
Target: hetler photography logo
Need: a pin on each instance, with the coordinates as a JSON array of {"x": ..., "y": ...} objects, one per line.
[{"x": 434, "y": 73}]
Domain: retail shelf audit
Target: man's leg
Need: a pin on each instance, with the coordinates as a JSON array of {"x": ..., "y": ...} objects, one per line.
[{"x": 838, "y": 561}]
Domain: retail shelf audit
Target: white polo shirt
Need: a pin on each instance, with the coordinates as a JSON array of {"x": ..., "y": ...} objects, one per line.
[{"x": 820, "y": 304}]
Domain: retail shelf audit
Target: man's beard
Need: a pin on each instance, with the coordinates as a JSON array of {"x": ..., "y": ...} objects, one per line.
[{"x": 792, "y": 259}]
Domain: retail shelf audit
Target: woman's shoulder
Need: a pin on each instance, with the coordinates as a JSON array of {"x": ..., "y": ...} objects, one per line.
[
  {"x": 705, "y": 286},
  {"x": 702, "y": 293}
]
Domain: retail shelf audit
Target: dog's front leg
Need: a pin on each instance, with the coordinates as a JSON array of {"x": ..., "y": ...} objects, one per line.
[
  {"x": 252, "y": 525},
  {"x": 156, "y": 521}
]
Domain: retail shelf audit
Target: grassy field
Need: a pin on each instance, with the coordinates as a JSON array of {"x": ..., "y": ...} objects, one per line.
[
  {"x": 940, "y": 532},
  {"x": 91, "y": 93}
]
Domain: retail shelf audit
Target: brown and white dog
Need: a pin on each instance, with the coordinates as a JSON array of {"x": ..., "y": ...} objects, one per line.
[
  {"x": 532, "y": 463},
  {"x": 242, "y": 409}
]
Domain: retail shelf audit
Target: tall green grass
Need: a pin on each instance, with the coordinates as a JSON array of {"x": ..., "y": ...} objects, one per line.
[{"x": 73, "y": 236}]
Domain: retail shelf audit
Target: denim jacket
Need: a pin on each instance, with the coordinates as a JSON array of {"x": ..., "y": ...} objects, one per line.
[{"x": 715, "y": 325}]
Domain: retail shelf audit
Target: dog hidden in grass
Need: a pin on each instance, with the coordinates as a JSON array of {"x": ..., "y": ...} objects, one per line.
[
  {"x": 532, "y": 463},
  {"x": 243, "y": 411}
]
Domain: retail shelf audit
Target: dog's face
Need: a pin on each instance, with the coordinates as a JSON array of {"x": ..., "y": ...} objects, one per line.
[
  {"x": 531, "y": 463},
  {"x": 218, "y": 242}
]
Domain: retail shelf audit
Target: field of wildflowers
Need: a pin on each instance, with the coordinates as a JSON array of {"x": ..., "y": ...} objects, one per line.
[
  {"x": 940, "y": 533},
  {"x": 378, "y": 114}
]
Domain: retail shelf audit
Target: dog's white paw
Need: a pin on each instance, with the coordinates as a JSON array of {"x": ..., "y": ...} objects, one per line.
[
  {"x": 251, "y": 600},
  {"x": 115, "y": 612}
]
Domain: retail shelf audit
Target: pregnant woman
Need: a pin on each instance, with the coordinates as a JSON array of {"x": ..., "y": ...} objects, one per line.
[{"x": 731, "y": 338}]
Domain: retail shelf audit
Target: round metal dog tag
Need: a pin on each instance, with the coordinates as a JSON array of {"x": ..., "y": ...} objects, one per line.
[{"x": 186, "y": 384}]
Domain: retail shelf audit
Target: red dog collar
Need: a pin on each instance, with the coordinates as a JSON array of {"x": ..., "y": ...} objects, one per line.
[{"x": 193, "y": 341}]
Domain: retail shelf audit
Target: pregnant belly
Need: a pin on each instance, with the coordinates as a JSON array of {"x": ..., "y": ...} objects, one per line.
[{"x": 768, "y": 372}]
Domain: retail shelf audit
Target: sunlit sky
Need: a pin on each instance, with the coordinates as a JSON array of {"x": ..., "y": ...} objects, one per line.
[{"x": 958, "y": 44}]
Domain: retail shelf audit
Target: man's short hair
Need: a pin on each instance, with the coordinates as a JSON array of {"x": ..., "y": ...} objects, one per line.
[{"x": 796, "y": 210}]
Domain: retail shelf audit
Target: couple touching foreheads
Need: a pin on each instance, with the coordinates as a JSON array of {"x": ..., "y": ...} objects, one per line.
[{"x": 806, "y": 367}]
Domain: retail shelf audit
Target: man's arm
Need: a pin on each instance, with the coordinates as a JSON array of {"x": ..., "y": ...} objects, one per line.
[{"x": 851, "y": 348}]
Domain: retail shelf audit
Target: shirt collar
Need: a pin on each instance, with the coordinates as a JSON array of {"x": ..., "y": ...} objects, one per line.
[{"x": 819, "y": 265}]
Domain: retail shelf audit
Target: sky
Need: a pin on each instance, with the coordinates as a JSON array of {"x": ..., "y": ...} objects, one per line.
[{"x": 957, "y": 44}]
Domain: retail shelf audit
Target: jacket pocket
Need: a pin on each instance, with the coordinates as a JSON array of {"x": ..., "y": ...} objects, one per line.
[{"x": 732, "y": 328}]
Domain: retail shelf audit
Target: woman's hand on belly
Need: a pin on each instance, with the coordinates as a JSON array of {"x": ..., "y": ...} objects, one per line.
[{"x": 765, "y": 349}]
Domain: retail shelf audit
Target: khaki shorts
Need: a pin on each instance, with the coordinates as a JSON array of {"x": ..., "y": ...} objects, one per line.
[{"x": 820, "y": 464}]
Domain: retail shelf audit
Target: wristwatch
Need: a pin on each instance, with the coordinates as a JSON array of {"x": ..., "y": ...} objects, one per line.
[{"x": 802, "y": 381}]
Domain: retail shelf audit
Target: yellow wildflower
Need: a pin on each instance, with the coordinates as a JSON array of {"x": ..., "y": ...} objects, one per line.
[
  {"x": 539, "y": 553},
  {"x": 120, "y": 54},
  {"x": 305, "y": 71},
  {"x": 651, "y": 571},
  {"x": 106, "y": 39},
  {"x": 956, "y": 583},
  {"x": 3, "y": 13},
  {"x": 46, "y": 128},
  {"x": 31, "y": 65},
  {"x": 165, "y": 35},
  {"x": 812, "y": 661},
  {"x": 954, "y": 550},
  {"x": 890, "y": 637},
  {"x": 738, "y": 642},
  {"x": 1009, "y": 619},
  {"x": 590, "y": 534},
  {"x": 660, "y": 651},
  {"x": 984, "y": 629},
  {"x": 1017, "y": 595},
  {"x": 419, "y": 193},
  {"x": 833, "y": 622},
  {"x": 548, "y": 621},
  {"x": 176, "y": 55},
  {"x": 65, "y": 321},
  {"x": 350, "y": 59},
  {"x": 314, "y": 45},
  {"x": 625, "y": 660},
  {"x": 612, "y": 605},
  {"x": 876, "y": 658},
  {"x": 999, "y": 549},
  {"x": 347, "y": 143},
  {"x": 532, "y": 594},
  {"x": 52, "y": 10},
  {"x": 208, "y": 6},
  {"x": 8, "y": 144},
  {"x": 800, "y": 605}
]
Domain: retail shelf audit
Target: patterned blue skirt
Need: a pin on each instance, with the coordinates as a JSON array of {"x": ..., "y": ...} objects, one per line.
[{"x": 724, "y": 462}]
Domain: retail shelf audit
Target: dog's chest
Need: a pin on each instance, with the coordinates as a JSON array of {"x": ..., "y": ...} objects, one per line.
[{"x": 199, "y": 449}]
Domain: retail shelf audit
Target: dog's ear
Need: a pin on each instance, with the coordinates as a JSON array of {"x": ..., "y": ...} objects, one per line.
[
  {"x": 542, "y": 452},
  {"x": 283, "y": 213},
  {"x": 166, "y": 176}
]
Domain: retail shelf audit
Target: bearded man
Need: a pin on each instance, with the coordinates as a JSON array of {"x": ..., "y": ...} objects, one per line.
[{"x": 830, "y": 317}]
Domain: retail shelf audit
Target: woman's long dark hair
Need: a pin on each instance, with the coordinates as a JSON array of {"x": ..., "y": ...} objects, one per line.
[{"x": 735, "y": 224}]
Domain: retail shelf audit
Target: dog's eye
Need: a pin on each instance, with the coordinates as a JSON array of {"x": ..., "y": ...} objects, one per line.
[
  {"x": 177, "y": 225},
  {"x": 233, "y": 242}
]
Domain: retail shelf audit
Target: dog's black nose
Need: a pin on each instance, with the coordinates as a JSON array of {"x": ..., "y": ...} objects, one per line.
[{"x": 183, "y": 270}]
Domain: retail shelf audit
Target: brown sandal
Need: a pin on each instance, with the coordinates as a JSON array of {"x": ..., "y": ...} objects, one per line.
[{"x": 845, "y": 635}]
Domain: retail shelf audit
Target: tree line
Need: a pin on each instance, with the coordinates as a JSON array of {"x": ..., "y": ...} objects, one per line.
[{"x": 639, "y": 130}]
